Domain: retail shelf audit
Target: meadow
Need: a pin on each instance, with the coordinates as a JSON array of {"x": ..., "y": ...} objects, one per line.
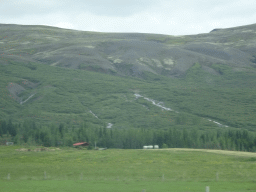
[
  {"x": 58, "y": 87},
  {"x": 70, "y": 169}
]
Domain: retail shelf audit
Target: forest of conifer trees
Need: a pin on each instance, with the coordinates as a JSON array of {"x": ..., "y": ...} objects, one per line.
[{"x": 29, "y": 133}]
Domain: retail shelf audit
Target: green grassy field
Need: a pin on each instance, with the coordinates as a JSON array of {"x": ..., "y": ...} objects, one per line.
[
  {"x": 126, "y": 186},
  {"x": 71, "y": 169}
]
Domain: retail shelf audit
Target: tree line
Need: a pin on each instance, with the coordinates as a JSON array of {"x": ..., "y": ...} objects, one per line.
[{"x": 31, "y": 133}]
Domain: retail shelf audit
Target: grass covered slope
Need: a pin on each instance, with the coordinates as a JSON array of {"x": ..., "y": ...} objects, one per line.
[
  {"x": 52, "y": 94},
  {"x": 182, "y": 170},
  {"x": 46, "y": 75}
]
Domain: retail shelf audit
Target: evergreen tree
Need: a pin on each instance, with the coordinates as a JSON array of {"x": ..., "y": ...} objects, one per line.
[
  {"x": 169, "y": 139},
  {"x": 159, "y": 137},
  {"x": 68, "y": 140},
  {"x": 11, "y": 128},
  {"x": 104, "y": 130},
  {"x": 194, "y": 137},
  {"x": 223, "y": 143},
  {"x": 1, "y": 131},
  {"x": 164, "y": 146},
  {"x": 61, "y": 129},
  {"x": 4, "y": 127},
  {"x": 185, "y": 138},
  {"x": 176, "y": 138},
  {"x": 100, "y": 133},
  {"x": 17, "y": 139}
]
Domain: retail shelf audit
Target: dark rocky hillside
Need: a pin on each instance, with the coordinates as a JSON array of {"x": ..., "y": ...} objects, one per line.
[{"x": 131, "y": 54}]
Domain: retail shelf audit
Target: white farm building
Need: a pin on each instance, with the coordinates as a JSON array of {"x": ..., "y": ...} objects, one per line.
[{"x": 151, "y": 147}]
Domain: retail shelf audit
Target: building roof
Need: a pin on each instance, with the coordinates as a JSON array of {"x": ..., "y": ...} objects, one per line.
[{"x": 81, "y": 144}]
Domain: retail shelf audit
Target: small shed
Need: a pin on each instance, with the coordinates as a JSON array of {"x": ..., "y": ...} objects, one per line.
[{"x": 80, "y": 144}]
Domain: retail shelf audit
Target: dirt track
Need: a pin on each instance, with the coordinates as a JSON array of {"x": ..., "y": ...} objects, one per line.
[{"x": 224, "y": 152}]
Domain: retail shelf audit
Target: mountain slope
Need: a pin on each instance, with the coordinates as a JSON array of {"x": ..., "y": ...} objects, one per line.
[{"x": 199, "y": 77}]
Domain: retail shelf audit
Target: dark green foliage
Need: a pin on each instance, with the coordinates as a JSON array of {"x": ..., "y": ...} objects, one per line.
[
  {"x": 32, "y": 66},
  {"x": 164, "y": 146},
  {"x": 61, "y": 129},
  {"x": 11, "y": 129},
  {"x": 173, "y": 137},
  {"x": 3, "y": 127},
  {"x": 90, "y": 147},
  {"x": 69, "y": 95}
]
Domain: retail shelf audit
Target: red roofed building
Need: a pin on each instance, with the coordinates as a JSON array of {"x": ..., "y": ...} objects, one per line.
[{"x": 80, "y": 144}]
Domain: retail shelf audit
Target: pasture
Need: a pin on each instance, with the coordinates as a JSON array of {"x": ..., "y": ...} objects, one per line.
[{"x": 155, "y": 170}]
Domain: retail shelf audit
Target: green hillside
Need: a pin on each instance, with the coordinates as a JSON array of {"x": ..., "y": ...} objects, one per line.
[
  {"x": 73, "y": 96},
  {"x": 51, "y": 76}
]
